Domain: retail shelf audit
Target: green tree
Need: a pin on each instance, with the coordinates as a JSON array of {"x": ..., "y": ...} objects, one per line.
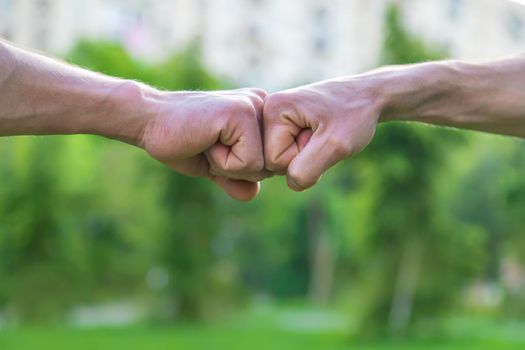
[
  {"x": 413, "y": 260},
  {"x": 83, "y": 218},
  {"x": 188, "y": 210}
]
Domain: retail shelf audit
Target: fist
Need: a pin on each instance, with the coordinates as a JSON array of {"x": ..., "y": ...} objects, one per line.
[
  {"x": 310, "y": 128},
  {"x": 211, "y": 134}
]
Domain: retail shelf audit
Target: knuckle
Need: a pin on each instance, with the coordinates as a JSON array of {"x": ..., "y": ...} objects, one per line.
[
  {"x": 259, "y": 92},
  {"x": 238, "y": 108},
  {"x": 274, "y": 166},
  {"x": 244, "y": 108},
  {"x": 258, "y": 103},
  {"x": 255, "y": 165},
  {"x": 275, "y": 105},
  {"x": 301, "y": 178},
  {"x": 275, "y": 163},
  {"x": 341, "y": 147},
  {"x": 231, "y": 167},
  {"x": 245, "y": 166}
]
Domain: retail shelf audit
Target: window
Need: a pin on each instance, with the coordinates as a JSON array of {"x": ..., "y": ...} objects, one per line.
[
  {"x": 320, "y": 30},
  {"x": 42, "y": 21},
  {"x": 516, "y": 27},
  {"x": 255, "y": 33},
  {"x": 6, "y": 5},
  {"x": 455, "y": 8},
  {"x": 6, "y": 21}
]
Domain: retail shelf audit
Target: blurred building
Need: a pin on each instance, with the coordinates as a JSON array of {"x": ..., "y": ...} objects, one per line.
[{"x": 268, "y": 43}]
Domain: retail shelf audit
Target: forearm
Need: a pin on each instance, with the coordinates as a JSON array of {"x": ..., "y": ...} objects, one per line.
[
  {"x": 479, "y": 96},
  {"x": 42, "y": 96}
]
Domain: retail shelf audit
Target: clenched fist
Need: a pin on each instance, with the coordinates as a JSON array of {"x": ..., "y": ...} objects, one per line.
[
  {"x": 210, "y": 134},
  {"x": 219, "y": 135},
  {"x": 310, "y": 128}
]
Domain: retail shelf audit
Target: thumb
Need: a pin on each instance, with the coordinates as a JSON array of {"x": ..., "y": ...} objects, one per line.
[
  {"x": 322, "y": 151},
  {"x": 240, "y": 190}
]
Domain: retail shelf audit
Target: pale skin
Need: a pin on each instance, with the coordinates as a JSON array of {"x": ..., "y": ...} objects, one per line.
[
  {"x": 211, "y": 134},
  {"x": 310, "y": 128},
  {"x": 237, "y": 138}
]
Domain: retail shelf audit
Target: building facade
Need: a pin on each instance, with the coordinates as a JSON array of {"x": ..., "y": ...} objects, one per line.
[{"x": 268, "y": 43}]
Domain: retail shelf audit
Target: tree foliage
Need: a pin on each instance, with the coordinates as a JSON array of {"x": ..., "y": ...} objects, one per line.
[{"x": 401, "y": 230}]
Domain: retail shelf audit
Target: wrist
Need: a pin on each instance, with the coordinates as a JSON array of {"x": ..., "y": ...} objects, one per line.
[{"x": 125, "y": 113}]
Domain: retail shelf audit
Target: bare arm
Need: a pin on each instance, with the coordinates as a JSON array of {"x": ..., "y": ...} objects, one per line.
[
  {"x": 41, "y": 96},
  {"x": 310, "y": 128},
  {"x": 210, "y": 134},
  {"x": 479, "y": 96}
]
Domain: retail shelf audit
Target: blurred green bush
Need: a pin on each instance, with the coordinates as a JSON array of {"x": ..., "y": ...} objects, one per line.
[{"x": 398, "y": 235}]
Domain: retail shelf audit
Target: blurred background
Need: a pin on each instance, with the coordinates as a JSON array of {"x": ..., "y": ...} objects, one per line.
[{"x": 417, "y": 243}]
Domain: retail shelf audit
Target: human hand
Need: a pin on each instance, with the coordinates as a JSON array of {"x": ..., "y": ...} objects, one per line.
[
  {"x": 310, "y": 128},
  {"x": 211, "y": 134}
]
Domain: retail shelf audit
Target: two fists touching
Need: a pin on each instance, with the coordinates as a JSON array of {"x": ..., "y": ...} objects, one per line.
[{"x": 238, "y": 138}]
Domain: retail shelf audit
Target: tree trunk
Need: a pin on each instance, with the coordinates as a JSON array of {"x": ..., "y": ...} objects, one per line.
[
  {"x": 322, "y": 255},
  {"x": 405, "y": 288}
]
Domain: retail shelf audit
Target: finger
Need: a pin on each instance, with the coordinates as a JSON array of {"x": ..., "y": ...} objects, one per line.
[
  {"x": 321, "y": 152},
  {"x": 259, "y": 92},
  {"x": 241, "y": 133},
  {"x": 282, "y": 126},
  {"x": 302, "y": 139},
  {"x": 300, "y": 142},
  {"x": 257, "y": 97},
  {"x": 198, "y": 166},
  {"x": 219, "y": 152},
  {"x": 237, "y": 189}
]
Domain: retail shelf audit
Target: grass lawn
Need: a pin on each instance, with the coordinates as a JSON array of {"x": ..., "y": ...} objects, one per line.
[{"x": 275, "y": 330}]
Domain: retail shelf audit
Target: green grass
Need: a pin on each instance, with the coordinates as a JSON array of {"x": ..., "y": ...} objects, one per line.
[{"x": 257, "y": 331}]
